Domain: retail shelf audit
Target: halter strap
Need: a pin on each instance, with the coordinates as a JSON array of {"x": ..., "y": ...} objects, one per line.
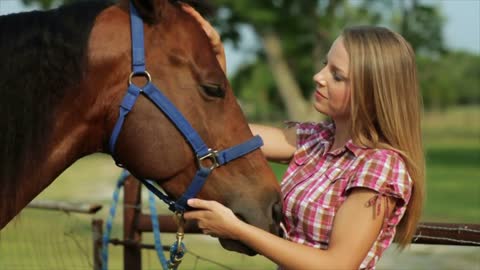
[
  {"x": 200, "y": 149},
  {"x": 138, "y": 51}
]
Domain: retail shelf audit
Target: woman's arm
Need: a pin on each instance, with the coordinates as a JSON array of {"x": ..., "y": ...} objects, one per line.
[
  {"x": 279, "y": 144},
  {"x": 355, "y": 229}
]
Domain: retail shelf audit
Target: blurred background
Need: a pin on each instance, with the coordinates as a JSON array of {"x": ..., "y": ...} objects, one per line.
[{"x": 273, "y": 49}]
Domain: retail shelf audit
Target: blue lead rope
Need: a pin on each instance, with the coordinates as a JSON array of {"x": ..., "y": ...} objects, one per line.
[
  {"x": 108, "y": 229},
  {"x": 176, "y": 252},
  {"x": 156, "y": 231}
]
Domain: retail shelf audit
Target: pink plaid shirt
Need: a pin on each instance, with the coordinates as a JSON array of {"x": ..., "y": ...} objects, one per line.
[{"x": 317, "y": 182}]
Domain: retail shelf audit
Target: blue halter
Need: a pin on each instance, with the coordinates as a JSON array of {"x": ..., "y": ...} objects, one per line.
[{"x": 202, "y": 152}]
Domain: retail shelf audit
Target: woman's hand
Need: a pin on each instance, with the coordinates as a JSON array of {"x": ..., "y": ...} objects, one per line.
[
  {"x": 214, "y": 219},
  {"x": 212, "y": 34}
]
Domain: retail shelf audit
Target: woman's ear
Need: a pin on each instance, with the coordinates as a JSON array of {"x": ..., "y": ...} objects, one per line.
[{"x": 150, "y": 10}]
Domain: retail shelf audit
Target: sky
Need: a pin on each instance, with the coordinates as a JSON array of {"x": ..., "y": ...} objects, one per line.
[{"x": 461, "y": 31}]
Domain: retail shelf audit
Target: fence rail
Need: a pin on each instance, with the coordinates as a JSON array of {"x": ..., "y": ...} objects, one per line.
[
  {"x": 447, "y": 234},
  {"x": 427, "y": 233},
  {"x": 136, "y": 223},
  {"x": 81, "y": 208}
]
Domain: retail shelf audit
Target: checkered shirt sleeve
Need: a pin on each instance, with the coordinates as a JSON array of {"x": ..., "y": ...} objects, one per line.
[{"x": 383, "y": 171}]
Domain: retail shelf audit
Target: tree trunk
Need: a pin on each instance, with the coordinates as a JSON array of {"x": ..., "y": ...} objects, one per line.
[{"x": 298, "y": 108}]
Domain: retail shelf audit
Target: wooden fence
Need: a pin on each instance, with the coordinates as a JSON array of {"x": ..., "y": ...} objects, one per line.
[{"x": 136, "y": 223}]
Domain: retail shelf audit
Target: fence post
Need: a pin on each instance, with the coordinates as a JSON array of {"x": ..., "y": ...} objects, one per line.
[
  {"x": 132, "y": 252},
  {"x": 97, "y": 232}
]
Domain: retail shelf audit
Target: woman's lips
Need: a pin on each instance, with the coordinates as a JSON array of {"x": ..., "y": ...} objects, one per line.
[{"x": 318, "y": 94}]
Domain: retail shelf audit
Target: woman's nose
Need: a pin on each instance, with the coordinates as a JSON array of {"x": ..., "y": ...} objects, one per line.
[
  {"x": 316, "y": 77},
  {"x": 319, "y": 78}
]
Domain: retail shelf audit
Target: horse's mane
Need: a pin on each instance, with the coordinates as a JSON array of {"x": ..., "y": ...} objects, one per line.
[{"x": 42, "y": 57}]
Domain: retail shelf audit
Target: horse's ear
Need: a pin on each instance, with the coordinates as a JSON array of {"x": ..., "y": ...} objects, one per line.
[{"x": 150, "y": 10}]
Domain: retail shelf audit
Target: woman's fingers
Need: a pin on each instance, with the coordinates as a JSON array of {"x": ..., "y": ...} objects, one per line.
[
  {"x": 200, "y": 204},
  {"x": 211, "y": 33},
  {"x": 203, "y": 207},
  {"x": 194, "y": 215},
  {"x": 190, "y": 10},
  {"x": 202, "y": 217},
  {"x": 213, "y": 218},
  {"x": 207, "y": 27}
]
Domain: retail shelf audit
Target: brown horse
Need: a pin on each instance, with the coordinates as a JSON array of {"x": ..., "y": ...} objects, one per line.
[{"x": 63, "y": 75}]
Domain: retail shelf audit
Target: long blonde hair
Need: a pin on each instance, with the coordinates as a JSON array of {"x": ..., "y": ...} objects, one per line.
[{"x": 386, "y": 107}]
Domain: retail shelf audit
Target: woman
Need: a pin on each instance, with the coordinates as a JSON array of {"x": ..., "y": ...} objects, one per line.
[{"x": 355, "y": 182}]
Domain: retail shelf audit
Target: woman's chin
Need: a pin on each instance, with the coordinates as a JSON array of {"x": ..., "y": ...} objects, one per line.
[{"x": 319, "y": 107}]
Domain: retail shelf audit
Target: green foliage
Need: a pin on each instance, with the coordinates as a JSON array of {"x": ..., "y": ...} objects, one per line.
[
  {"x": 308, "y": 27},
  {"x": 254, "y": 86},
  {"x": 422, "y": 26},
  {"x": 451, "y": 79}
]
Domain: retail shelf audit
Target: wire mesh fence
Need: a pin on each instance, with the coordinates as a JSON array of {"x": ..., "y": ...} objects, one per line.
[
  {"x": 60, "y": 240},
  {"x": 46, "y": 240}
]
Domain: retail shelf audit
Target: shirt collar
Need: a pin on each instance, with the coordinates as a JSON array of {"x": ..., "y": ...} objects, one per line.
[{"x": 355, "y": 149}]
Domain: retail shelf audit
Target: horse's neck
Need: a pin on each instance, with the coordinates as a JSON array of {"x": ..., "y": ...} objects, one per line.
[{"x": 71, "y": 138}]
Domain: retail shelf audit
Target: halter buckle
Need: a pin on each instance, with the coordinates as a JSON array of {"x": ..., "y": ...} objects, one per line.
[{"x": 212, "y": 156}]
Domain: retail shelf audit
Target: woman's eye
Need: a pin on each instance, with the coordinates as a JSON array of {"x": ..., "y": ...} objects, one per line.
[
  {"x": 213, "y": 90},
  {"x": 337, "y": 77}
]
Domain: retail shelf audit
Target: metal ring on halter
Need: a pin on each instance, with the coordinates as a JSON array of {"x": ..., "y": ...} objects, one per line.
[
  {"x": 140, "y": 73},
  {"x": 212, "y": 156}
]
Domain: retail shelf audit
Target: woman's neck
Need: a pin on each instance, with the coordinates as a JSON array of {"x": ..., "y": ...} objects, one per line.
[{"x": 342, "y": 134}]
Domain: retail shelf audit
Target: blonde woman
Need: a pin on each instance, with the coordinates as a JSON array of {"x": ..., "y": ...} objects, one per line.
[{"x": 355, "y": 182}]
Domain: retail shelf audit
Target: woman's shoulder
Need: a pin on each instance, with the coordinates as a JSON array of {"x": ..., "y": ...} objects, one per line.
[
  {"x": 383, "y": 170},
  {"x": 367, "y": 154}
]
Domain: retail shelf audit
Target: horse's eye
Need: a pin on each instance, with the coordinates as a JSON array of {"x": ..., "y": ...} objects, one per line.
[{"x": 213, "y": 90}]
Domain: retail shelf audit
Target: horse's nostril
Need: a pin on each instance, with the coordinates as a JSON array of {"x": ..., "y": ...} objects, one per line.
[{"x": 277, "y": 212}]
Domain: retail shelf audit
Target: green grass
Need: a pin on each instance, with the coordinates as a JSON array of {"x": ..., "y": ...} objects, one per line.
[
  {"x": 453, "y": 184},
  {"x": 50, "y": 240},
  {"x": 452, "y": 142}
]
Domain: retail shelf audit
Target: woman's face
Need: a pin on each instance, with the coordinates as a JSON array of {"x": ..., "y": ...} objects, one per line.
[{"x": 332, "y": 91}]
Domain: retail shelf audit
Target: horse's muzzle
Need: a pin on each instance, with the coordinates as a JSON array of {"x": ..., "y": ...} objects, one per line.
[{"x": 274, "y": 228}]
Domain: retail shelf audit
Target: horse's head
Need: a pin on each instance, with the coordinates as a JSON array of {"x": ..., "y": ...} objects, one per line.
[{"x": 182, "y": 64}]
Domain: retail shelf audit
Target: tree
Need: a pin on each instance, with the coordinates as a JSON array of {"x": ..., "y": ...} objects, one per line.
[
  {"x": 422, "y": 25},
  {"x": 450, "y": 80},
  {"x": 297, "y": 34}
]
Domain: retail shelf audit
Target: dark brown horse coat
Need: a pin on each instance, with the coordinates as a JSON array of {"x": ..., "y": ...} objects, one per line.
[{"x": 63, "y": 75}]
